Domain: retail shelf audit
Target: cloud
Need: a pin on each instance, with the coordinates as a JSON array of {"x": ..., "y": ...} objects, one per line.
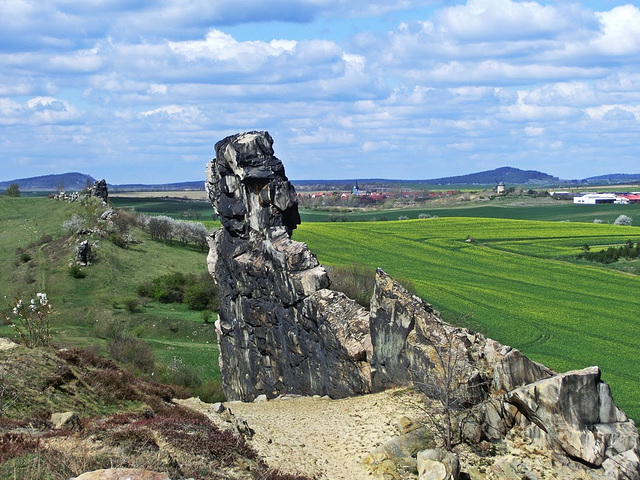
[
  {"x": 50, "y": 110},
  {"x": 614, "y": 112},
  {"x": 419, "y": 89},
  {"x": 38, "y": 111},
  {"x": 485, "y": 20},
  {"x": 620, "y": 31},
  {"x": 191, "y": 114}
]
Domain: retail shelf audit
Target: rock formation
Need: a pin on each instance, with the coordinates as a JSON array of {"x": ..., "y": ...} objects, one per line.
[
  {"x": 279, "y": 329},
  {"x": 83, "y": 253},
  {"x": 99, "y": 189},
  {"x": 573, "y": 413}
]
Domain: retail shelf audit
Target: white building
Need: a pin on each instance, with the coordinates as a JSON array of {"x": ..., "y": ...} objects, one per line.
[{"x": 595, "y": 198}]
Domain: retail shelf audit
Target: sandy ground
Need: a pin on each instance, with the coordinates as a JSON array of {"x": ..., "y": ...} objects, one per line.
[{"x": 319, "y": 437}]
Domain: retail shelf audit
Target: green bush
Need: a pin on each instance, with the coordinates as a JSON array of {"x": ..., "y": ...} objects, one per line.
[
  {"x": 25, "y": 257},
  {"x": 169, "y": 288},
  {"x": 145, "y": 289},
  {"x": 183, "y": 375},
  {"x": 108, "y": 327},
  {"x": 197, "y": 296},
  {"x": 197, "y": 292},
  {"x": 210, "y": 392},
  {"x": 118, "y": 240},
  {"x": 76, "y": 272},
  {"x": 202, "y": 294}
]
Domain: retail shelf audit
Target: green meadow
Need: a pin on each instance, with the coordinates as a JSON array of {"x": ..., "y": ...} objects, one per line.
[
  {"x": 85, "y": 308},
  {"x": 516, "y": 282},
  {"x": 506, "y": 207}
]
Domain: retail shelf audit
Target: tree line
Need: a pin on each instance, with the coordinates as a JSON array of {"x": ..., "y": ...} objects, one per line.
[{"x": 611, "y": 254}]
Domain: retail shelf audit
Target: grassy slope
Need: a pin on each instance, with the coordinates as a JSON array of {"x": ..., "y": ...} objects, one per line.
[
  {"x": 81, "y": 305},
  {"x": 565, "y": 315}
]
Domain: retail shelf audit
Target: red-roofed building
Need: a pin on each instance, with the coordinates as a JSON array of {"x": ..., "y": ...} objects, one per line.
[{"x": 628, "y": 198}]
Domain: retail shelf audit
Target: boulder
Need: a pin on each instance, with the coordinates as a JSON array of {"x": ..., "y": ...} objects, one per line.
[
  {"x": 100, "y": 190},
  {"x": 280, "y": 330},
  {"x": 436, "y": 464},
  {"x": 83, "y": 253},
  {"x": 399, "y": 451},
  {"x": 122, "y": 474},
  {"x": 66, "y": 421},
  {"x": 574, "y": 412}
]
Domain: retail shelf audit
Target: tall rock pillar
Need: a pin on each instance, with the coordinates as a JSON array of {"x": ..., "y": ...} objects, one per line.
[{"x": 279, "y": 329}]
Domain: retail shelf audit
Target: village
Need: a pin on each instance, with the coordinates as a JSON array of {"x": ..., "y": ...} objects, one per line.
[{"x": 598, "y": 198}]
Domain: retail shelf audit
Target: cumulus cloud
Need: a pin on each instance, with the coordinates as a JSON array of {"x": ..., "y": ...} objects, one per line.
[
  {"x": 485, "y": 20},
  {"x": 444, "y": 88},
  {"x": 620, "y": 31}
]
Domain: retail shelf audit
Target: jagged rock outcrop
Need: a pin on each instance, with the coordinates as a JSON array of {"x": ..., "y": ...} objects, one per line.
[
  {"x": 279, "y": 329},
  {"x": 572, "y": 413},
  {"x": 83, "y": 253},
  {"x": 575, "y": 412},
  {"x": 410, "y": 342},
  {"x": 100, "y": 190}
]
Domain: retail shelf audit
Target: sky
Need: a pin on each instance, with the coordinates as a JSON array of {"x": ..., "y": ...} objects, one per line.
[{"x": 139, "y": 91}]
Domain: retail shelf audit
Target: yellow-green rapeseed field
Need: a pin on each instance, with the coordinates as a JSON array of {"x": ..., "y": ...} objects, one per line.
[{"x": 516, "y": 282}]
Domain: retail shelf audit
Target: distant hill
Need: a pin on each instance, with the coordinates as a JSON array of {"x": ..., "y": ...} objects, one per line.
[
  {"x": 614, "y": 178},
  {"x": 75, "y": 181},
  {"x": 508, "y": 175},
  {"x": 49, "y": 183}
]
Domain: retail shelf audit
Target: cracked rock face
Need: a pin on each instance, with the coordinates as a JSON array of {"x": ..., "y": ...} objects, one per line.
[{"x": 279, "y": 329}]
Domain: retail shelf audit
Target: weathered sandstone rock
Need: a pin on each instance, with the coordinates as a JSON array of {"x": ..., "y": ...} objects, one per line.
[
  {"x": 571, "y": 412},
  {"x": 279, "y": 329},
  {"x": 123, "y": 474},
  {"x": 574, "y": 411},
  {"x": 66, "y": 420},
  {"x": 100, "y": 190},
  {"x": 436, "y": 464}
]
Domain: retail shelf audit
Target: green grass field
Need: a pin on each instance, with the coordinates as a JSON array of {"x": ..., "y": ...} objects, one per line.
[
  {"x": 514, "y": 283},
  {"x": 558, "y": 212},
  {"x": 498, "y": 208},
  {"x": 82, "y": 306},
  {"x": 171, "y": 207}
]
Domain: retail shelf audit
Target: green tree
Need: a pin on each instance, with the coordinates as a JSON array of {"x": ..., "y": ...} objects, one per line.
[{"x": 13, "y": 190}]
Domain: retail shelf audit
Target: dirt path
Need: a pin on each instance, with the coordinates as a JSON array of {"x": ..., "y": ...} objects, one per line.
[{"x": 320, "y": 437}]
